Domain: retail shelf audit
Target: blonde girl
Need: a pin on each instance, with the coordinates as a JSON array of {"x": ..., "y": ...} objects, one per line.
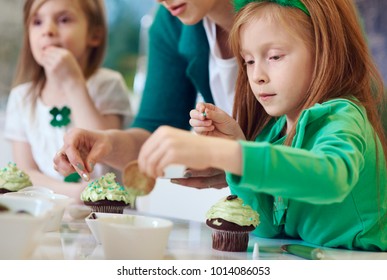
[{"x": 59, "y": 84}]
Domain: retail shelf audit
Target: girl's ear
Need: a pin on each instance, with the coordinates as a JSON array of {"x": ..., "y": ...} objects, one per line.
[{"x": 95, "y": 37}]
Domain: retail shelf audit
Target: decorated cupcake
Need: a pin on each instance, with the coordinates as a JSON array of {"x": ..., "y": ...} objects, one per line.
[
  {"x": 231, "y": 221},
  {"x": 13, "y": 179},
  {"x": 106, "y": 195}
]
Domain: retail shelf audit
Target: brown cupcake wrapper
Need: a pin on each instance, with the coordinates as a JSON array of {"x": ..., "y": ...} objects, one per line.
[
  {"x": 2, "y": 190},
  {"x": 108, "y": 209},
  {"x": 231, "y": 241}
]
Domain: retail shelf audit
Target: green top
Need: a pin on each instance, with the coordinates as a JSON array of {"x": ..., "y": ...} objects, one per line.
[
  {"x": 234, "y": 210},
  {"x": 177, "y": 70},
  {"x": 327, "y": 189},
  {"x": 107, "y": 188},
  {"x": 13, "y": 179}
]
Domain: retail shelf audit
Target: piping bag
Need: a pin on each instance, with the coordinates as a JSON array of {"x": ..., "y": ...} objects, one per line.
[{"x": 303, "y": 251}]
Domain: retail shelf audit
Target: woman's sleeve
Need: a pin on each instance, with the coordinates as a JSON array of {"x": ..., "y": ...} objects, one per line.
[{"x": 168, "y": 94}]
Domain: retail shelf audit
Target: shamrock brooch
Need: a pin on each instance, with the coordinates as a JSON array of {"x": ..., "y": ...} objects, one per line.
[{"x": 60, "y": 117}]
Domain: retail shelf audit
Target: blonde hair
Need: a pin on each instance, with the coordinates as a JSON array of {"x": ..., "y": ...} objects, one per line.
[
  {"x": 28, "y": 70},
  {"x": 343, "y": 64}
]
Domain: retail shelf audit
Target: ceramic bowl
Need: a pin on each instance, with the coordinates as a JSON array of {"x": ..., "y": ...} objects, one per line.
[
  {"x": 22, "y": 226},
  {"x": 92, "y": 223},
  {"x": 39, "y": 189},
  {"x": 60, "y": 202},
  {"x": 134, "y": 237},
  {"x": 78, "y": 211}
]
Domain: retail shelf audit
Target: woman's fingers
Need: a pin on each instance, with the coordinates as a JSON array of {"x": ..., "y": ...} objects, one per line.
[
  {"x": 62, "y": 164},
  {"x": 203, "y": 179}
]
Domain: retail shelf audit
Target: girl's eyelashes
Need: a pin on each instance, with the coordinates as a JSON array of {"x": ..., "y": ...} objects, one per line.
[
  {"x": 36, "y": 21},
  {"x": 275, "y": 57},
  {"x": 270, "y": 57},
  {"x": 62, "y": 19},
  {"x": 248, "y": 62},
  {"x": 65, "y": 18}
]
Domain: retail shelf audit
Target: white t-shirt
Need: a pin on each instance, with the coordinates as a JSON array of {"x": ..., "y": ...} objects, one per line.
[
  {"x": 109, "y": 93},
  {"x": 223, "y": 72}
]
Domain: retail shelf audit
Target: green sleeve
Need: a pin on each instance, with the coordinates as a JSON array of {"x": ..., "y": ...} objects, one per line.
[
  {"x": 169, "y": 94},
  {"x": 322, "y": 169}
]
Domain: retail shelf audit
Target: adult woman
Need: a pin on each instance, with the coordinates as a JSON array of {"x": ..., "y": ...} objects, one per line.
[{"x": 188, "y": 51}]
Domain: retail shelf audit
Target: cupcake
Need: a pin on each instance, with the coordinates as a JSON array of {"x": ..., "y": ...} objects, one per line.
[
  {"x": 137, "y": 181},
  {"x": 231, "y": 222},
  {"x": 106, "y": 195},
  {"x": 13, "y": 179}
]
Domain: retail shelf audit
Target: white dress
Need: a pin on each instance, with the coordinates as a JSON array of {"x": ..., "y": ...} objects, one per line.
[{"x": 109, "y": 93}]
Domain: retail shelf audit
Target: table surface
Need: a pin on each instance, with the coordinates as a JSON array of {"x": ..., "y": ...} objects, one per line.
[{"x": 189, "y": 240}]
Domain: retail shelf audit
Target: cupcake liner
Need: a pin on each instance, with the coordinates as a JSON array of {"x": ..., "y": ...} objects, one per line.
[
  {"x": 108, "y": 209},
  {"x": 107, "y": 206},
  {"x": 231, "y": 241},
  {"x": 4, "y": 191}
]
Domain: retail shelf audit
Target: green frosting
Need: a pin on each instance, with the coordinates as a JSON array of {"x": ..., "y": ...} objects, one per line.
[
  {"x": 233, "y": 209},
  {"x": 13, "y": 179},
  {"x": 106, "y": 187}
]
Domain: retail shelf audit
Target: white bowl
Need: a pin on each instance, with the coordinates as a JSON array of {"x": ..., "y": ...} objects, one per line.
[
  {"x": 91, "y": 221},
  {"x": 78, "y": 211},
  {"x": 20, "y": 233},
  {"x": 60, "y": 202},
  {"x": 39, "y": 189},
  {"x": 134, "y": 237}
]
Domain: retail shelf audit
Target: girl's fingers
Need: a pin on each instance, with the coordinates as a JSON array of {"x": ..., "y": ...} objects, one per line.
[
  {"x": 198, "y": 123},
  {"x": 195, "y": 114},
  {"x": 200, "y": 130}
]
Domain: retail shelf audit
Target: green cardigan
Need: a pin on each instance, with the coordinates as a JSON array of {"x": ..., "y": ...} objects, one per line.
[
  {"x": 327, "y": 189},
  {"x": 177, "y": 70}
]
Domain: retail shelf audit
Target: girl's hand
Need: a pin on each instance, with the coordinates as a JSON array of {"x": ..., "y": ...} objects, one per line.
[
  {"x": 209, "y": 120},
  {"x": 61, "y": 66},
  {"x": 169, "y": 145}
]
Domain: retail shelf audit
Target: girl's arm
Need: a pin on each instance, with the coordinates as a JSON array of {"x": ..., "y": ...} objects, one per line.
[
  {"x": 169, "y": 145},
  {"x": 23, "y": 158},
  {"x": 84, "y": 112},
  {"x": 64, "y": 76}
]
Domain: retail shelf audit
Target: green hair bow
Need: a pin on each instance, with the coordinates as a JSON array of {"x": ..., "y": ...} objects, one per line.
[{"x": 239, "y": 4}]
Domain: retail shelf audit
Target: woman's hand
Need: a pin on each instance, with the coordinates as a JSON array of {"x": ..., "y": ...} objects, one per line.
[
  {"x": 81, "y": 150},
  {"x": 169, "y": 145},
  {"x": 203, "y": 179},
  {"x": 209, "y": 120}
]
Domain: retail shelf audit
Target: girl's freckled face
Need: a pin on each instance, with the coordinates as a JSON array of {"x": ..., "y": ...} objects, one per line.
[{"x": 279, "y": 66}]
